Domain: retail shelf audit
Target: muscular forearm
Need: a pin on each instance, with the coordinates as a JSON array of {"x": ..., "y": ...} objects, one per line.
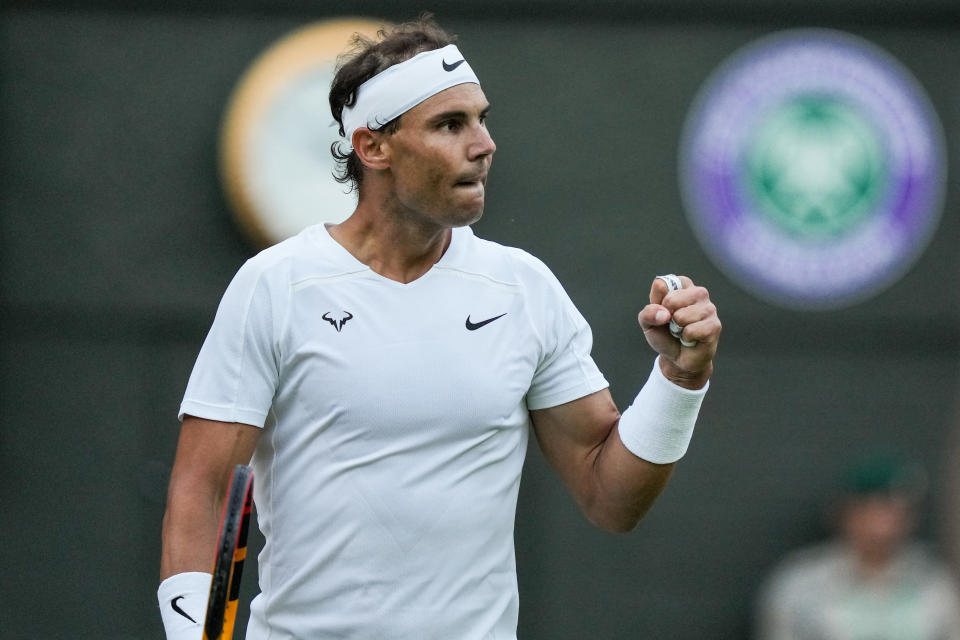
[
  {"x": 206, "y": 455},
  {"x": 624, "y": 487},
  {"x": 638, "y": 455},
  {"x": 207, "y": 452},
  {"x": 190, "y": 527},
  {"x": 613, "y": 487},
  {"x": 616, "y": 465}
]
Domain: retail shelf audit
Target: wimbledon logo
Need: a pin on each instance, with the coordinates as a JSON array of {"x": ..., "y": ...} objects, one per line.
[{"x": 812, "y": 169}]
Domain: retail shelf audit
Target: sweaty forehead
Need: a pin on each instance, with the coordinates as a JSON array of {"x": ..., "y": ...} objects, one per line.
[{"x": 467, "y": 97}]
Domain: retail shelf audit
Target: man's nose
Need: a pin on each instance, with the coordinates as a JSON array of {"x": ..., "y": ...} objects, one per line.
[{"x": 483, "y": 145}]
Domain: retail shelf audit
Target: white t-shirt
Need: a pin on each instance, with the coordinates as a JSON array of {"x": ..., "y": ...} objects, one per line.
[
  {"x": 819, "y": 592},
  {"x": 395, "y": 422}
]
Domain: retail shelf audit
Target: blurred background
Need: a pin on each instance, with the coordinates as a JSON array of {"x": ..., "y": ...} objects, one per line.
[{"x": 117, "y": 239}]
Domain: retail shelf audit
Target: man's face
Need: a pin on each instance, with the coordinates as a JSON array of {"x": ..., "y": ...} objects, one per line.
[
  {"x": 440, "y": 156},
  {"x": 876, "y": 526}
]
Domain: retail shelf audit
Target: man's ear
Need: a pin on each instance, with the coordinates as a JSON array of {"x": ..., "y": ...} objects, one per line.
[{"x": 369, "y": 147}]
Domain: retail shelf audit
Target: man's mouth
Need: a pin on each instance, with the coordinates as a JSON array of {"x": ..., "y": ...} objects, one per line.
[{"x": 471, "y": 181}]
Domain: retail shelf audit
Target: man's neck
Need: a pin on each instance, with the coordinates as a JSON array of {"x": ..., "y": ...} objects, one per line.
[
  {"x": 392, "y": 245},
  {"x": 874, "y": 567}
]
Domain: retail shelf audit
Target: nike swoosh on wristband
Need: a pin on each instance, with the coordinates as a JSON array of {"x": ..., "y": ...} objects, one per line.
[
  {"x": 473, "y": 326},
  {"x": 173, "y": 603},
  {"x": 452, "y": 66}
]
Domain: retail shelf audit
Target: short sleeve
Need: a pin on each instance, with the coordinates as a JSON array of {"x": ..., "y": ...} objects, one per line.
[
  {"x": 565, "y": 371},
  {"x": 236, "y": 374}
]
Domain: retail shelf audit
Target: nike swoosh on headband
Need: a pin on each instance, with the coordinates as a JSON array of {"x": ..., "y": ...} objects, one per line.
[{"x": 400, "y": 87}]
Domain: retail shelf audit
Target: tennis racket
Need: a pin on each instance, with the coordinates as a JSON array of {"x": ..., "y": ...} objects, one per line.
[{"x": 231, "y": 552}]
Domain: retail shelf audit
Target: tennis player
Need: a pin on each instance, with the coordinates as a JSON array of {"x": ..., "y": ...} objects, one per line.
[{"x": 384, "y": 375}]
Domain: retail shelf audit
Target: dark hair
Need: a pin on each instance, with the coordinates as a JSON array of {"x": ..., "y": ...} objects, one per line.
[{"x": 366, "y": 59}]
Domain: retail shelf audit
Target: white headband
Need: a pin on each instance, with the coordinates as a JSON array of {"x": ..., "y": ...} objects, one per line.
[{"x": 399, "y": 88}]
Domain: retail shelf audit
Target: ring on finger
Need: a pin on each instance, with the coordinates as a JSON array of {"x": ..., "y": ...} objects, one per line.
[{"x": 673, "y": 284}]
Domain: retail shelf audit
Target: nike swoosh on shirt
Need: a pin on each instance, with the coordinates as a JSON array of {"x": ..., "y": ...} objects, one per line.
[
  {"x": 453, "y": 65},
  {"x": 473, "y": 326},
  {"x": 173, "y": 603}
]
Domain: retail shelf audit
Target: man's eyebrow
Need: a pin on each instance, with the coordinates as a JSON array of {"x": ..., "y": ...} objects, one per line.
[
  {"x": 449, "y": 115},
  {"x": 456, "y": 114}
]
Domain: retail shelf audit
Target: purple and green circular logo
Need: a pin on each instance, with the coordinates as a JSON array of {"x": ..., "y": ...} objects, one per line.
[{"x": 812, "y": 168}]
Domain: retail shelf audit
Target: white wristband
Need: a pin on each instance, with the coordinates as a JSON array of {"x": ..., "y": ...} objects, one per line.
[
  {"x": 183, "y": 604},
  {"x": 659, "y": 424}
]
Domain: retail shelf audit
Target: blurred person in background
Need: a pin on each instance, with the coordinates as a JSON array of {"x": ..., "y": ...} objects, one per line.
[{"x": 873, "y": 580}]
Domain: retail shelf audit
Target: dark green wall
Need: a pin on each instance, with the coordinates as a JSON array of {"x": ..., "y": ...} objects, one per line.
[{"x": 116, "y": 243}]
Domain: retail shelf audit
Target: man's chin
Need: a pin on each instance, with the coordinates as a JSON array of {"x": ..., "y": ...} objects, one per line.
[
  {"x": 476, "y": 215},
  {"x": 465, "y": 216}
]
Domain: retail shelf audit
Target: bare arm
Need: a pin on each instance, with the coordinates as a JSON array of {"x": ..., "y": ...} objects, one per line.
[
  {"x": 580, "y": 439},
  {"x": 207, "y": 452},
  {"x": 613, "y": 487}
]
